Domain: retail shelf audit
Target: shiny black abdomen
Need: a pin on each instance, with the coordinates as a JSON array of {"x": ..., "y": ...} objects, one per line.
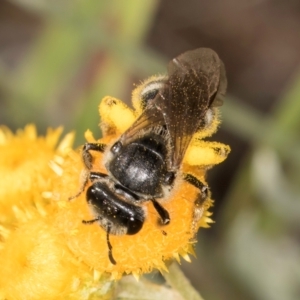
[
  {"x": 141, "y": 165},
  {"x": 113, "y": 210}
]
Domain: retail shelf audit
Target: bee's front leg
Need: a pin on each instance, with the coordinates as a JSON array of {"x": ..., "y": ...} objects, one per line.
[
  {"x": 87, "y": 159},
  {"x": 87, "y": 156}
]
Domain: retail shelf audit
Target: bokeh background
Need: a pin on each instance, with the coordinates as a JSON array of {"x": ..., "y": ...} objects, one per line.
[{"x": 59, "y": 58}]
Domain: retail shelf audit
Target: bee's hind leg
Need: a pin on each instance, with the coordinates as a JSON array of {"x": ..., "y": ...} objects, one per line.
[
  {"x": 204, "y": 194},
  {"x": 203, "y": 188}
]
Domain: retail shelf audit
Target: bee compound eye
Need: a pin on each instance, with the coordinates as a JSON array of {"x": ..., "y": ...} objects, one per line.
[
  {"x": 134, "y": 226},
  {"x": 149, "y": 95},
  {"x": 151, "y": 90},
  {"x": 116, "y": 148},
  {"x": 169, "y": 178}
]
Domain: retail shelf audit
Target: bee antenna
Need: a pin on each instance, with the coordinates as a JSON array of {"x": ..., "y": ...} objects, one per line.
[{"x": 110, "y": 256}]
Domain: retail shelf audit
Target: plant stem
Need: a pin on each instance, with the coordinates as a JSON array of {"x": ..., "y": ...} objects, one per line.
[{"x": 177, "y": 280}]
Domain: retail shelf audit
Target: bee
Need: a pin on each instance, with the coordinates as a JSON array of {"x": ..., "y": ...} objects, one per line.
[{"x": 144, "y": 164}]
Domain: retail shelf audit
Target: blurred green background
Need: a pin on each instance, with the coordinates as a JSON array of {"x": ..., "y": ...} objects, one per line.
[{"x": 59, "y": 58}]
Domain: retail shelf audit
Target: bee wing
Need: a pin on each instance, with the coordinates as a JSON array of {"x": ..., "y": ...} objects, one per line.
[
  {"x": 196, "y": 82},
  {"x": 193, "y": 85},
  {"x": 218, "y": 100},
  {"x": 149, "y": 118}
]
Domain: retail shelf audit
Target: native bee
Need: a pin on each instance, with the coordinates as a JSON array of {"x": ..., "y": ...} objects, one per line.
[{"x": 145, "y": 162}]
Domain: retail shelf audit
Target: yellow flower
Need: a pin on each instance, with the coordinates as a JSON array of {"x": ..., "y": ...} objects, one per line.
[
  {"x": 137, "y": 254},
  {"x": 24, "y": 169},
  {"x": 24, "y": 235},
  {"x": 35, "y": 260},
  {"x": 46, "y": 250}
]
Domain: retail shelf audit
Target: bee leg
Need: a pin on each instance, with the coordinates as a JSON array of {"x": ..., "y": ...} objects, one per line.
[
  {"x": 84, "y": 177},
  {"x": 204, "y": 189},
  {"x": 87, "y": 156},
  {"x": 204, "y": 153},
  {"x": 110, "y": 255},
  {"x": 88, "y": 160},
  {"x": 110, "y": 111},
  {"x": 163, "y": 213},
  {"x": 94, "y": 176},
  {"x": 89, "y": 221},
  {"x": 202, "y": 196}
]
